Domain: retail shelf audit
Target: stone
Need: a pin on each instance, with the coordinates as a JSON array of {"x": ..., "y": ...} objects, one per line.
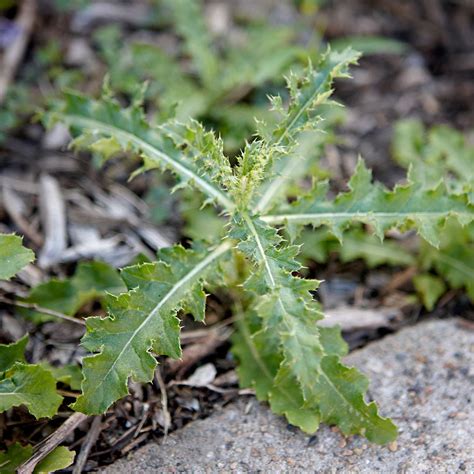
[{"x": 416, "y": 391}]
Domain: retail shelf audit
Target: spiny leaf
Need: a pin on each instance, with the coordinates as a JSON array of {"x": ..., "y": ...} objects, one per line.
[
  {"x": 288, "y": 315},
  {"x": 406, "y": 206},
  {"x": 91, "y": 281},
  {"x": 13, "y": 256},
  {"x": 308, "y": 91},
  {"x": 32, "y": 386},
  {"x": 309, "y": 94},
  {"x": 141, "y": 321},
  {"x": 259, "y": 361},
  {"x": 106, "y": 125},
  {"x": 339, "y": 393},
  {"x": 203, "y": 148}
]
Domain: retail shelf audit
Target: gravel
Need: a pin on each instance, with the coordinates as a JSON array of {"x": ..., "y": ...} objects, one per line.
[{"x": 423, "y": 378}]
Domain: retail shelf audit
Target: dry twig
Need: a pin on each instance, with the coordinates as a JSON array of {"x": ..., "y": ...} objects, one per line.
[
  {"x": 164, "y": 400},
  {"x": 15, "y": 208},
  {"x": 51, "y": 442},
  {"x": 398, "y": 280},
  {"x": 91, "y": 438},
  {"x": 53, "y": 216},
  {"x": 40, "y": 309}
]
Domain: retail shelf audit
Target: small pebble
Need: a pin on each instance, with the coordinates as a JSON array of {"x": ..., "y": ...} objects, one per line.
[{"x": 393, "y": 446}]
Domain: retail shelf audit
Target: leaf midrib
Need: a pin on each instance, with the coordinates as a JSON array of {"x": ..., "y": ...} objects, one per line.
[
  {"x": 306, "y": 217},
  {"x": 361, "y": 415},
  {"x": 224, "y": 247},
  {"x": 261, "y": 364},
  {"x": 266, "y": 199},
  {"x": 455, "y": 264},
  {"x": 287, "y": 319},
  {"x": 206, "y": 187}
]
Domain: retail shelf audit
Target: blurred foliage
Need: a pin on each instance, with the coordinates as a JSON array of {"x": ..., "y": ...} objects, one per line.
[
  {"x": 358, "y": 244},
  {"x": 212, "y": 78},
  {"x": 220, "y": 78},
  {"x": 371, "y": 44},
  {"x": 90, "y": 282},
  {"x": 430, "y": 288},
  {"x": 432, "y": 155}
]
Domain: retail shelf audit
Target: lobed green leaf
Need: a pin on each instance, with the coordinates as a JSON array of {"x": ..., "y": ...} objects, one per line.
[
  {"x": 142, "y": 321},
  {"x": 25, "y": 384},
  {"x": 308, "y": 355},
  {"x": 371, "y": 203},
  {"x": 31, "y": 386},
  {"x": 108, "y": 128},
  {"x": 307, "y": 108}
]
